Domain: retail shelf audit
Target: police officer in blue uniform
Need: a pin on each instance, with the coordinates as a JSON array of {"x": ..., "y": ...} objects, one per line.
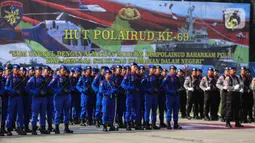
[
  {"x": 142, "y": 92},
  {"x": 61, "y": 85},
  {"x": 131, "y": 84},
  {"x": 76, "y": 98},
  {"x": 117, "y": 79},
  {"x": 85, "y": 88},
  {"x": 108, "y": 90},
  {"x": 151, "y": 98},
  {"x": 49, "y": 97},
  {"x": 162, "y": 100},
  {"x": 14, "y": 87},
  {"x": 2, "y": 90},
  {"x": 37, "y": 87},
  {"x": 94, "y": 74},
  {"x": 172, "y": 87}
]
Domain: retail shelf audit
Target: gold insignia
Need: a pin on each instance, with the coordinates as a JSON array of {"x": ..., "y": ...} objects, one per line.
[{"x": 129, "y": 13}]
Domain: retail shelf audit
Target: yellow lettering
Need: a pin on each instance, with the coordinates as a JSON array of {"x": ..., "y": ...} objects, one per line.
[
  {"x": 85, "y": 33},
  {"x": 96, "y": 34}
]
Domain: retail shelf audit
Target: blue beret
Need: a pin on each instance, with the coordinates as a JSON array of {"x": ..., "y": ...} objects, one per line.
[
  {"x": 16, "y": 66},
  {"x": 63, "y": 67},
  {"x": 180, "y": 70},
  {"x": 31, "y": 68},
  {"x": 95, "y": 70},
  {"x": 38, "y": 68},
  {"x": 194, "y": 69},
  {"x": 243, "y": 68},
  {"x": 226, "y": 68},
  {"x": 172, "y": 67},
  {"x": 210, "y": 69},
  {"x": 158, "y": 67},
  {"x": 23, "y": 69},
  {"x": 127, "y": 67},
  {"x": 232, "y": 68},
  {"x": 107, "y": 71},
  {"x": 165, "y": 70},
  {"x": 151, "y": 66},
  {"x": 119, "y": 66},
  {"x": 133, "y": 64},
  {"x": 141, "y": 67}
]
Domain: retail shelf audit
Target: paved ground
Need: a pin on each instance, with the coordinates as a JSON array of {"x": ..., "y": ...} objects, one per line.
[{"x": 194, "y": 131}]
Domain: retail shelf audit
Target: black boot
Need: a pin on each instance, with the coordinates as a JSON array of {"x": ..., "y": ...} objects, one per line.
[
  {"x": 67, "y": 130},
  {"x": 153, "y": 126},
  {"x": 105, "y": 128},
  {"x": 50, "y": 128},
  {"x": 188, "y": 117},
  {"x": 238, "y": 125},
  {"x": 228, "y": 125},
  {"x": 20, "y": 131},
  {"x": 9, "y": 132},
  {"x": 207, "y": 118},
  {"x": 23, "y": 132},
  {"x": 147, "y": 126},
  {"x": 128, "y": 126},
  {"x": 57, "y": 130},
  {"x": 83, "y": 122},
  {"x": 138, "y": 126},
  {"x": 14, "y": 127},
  {"x": 27, "y": 129},
  {"x": 43, "y": 130},
  {"x": 97, "y": 124},
  {"x": 162, "y": 125},
  {"x": 176, "y": 125},
  {"x": 3, "y": 130},
  {"x": 34, "y": 129},
  {"x": 1, "y": 133},
  {"x": 169, "y": 127},
  {"x": 112, "y": 128}
]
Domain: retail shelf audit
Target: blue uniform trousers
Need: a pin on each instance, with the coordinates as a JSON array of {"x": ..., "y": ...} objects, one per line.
[
  {"x": 162, "y": 106},
  {"x": 50, "y": 109},
  {"x": 172, "y": 105},
  {"x": 151, "y": 104},
  {"x": 62, "y": 104},
  {"x": 86, "y": 106},
  {"x": 15, "y": 109},
  {"x": 27, "y": 102},
  {"x": 4, "y": 110},
  {"x": 121, "y": 107},
  {"x": 39, "y": 106},
  {"x": 133, "y": 104},
  {"x": 76, "y": 105},
  {"x": 108, "y": 110},
  {"x": 98, "y": 106}
]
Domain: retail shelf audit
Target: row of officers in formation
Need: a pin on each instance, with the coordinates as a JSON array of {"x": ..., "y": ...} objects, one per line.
[{"x": 124, "y": 95}]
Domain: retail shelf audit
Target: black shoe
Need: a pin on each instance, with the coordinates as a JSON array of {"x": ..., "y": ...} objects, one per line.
[
  {"x": 1, "y": 133},
  {"x": 147, "y": 126},
  {"x": 251, "y": 120},
  {"x": 67, "y": 130},
  {"x": 162, "y": 125},
  {"x": 245, "y": 121},
  {"x": 138, "y": 126},
  {"x": 228, "y": 125},
  {"x": 188, "y": 117},
  {"x": 21, "y": 132},
  {"x": 154, "y": 127},
  {"x": 169, "y": 127},
  {"x": 207, "y": 118},
  {"x": 238, "y": 125},
  {"x": 128, "y": 126},
  {"x": 105, "y": 128},
  {"x": 34, "y": 129},
  {"x": 97, "y": 124},
  {"x": 27, "y": 129},
  {"x": 223, "y": 120},
  {"x": 9, "y": 132},
  {"x": 176, "y": 125},
  {"x": 3, "y": 130},
  {"x": 83, "y": 123},
  {"x": 43, "y": 130},
  {"x": 196, "y": 117},
  {"x": 121, "y": 125},
  {"x": 57, "y": 130},
  {"x": 112, "y": 128},
  {"x": 50, "y": 128}
]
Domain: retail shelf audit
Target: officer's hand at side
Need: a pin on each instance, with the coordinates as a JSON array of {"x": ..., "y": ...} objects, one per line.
[
  {"x": 241, "y": 90},
  {"x": 208, "y": 88},
  {"x": 190, "y": 89},
  {"x": 236, "y": 87}
]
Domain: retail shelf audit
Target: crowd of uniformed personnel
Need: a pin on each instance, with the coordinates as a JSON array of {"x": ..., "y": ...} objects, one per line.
[{"x": 126, "y": 96}]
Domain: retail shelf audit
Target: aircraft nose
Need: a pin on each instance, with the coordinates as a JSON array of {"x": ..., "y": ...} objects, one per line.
[{"x": 103, "y": 10}]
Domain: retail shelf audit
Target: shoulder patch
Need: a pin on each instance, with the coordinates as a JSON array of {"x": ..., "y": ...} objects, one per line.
[
  {"x": 221, "y": 78},
  {"x": 203, "y": 78},
  {"x": 187, "y": 78}
]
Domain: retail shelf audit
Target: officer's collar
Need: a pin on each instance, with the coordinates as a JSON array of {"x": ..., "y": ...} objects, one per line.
[
  {"x": 151, "y": 74},
  {"x": 39, "y": 76},
  {"x": 173, "y": 75},
  {"x": 87, "y": 75},
  {"x": 16, "y": 75},
  {"x": 134, "y": 73}
]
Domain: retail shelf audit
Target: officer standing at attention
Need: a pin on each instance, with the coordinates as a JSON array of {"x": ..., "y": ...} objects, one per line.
[
  {"x": 95, "y": 85},
  {"x": 183, "y": 97},
  {"x": 223, "y": 93},
  {"x": 61, "y": 85},
  {"x": 199, "y": 100},
  {"x": 245, "y": 95},
  {"x": 217, "y": 96},
  {"x": 108, "y": 91},
  {"x": 14, "y": 87},
  {"x": 172, "y": 88},
  {"x": 233, "y": 86},
  {"x": 131, "y": 85},
  {"x": 84, "y": 87},
  {"x": 151, "y": 98},
  {"x": 49, "y": 97},
  {"x": 142, "y": 92},
  {"x": 208, "y": 85},
  {"x": 191, "y": 85},
  {"x": 37, "y": 88},
  {"x": 2, "y": 90}
]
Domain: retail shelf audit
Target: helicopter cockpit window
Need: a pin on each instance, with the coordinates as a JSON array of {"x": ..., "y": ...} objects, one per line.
[{"x": 66, "y": 41}]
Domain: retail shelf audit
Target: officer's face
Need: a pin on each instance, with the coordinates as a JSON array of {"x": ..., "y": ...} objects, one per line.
[
  {"x": 46, "y": 72},
  {"x": 152, "y": 70},
  {"x": 180, "y": 73},
  {"x": 108, "y": 76},
  {"x": 102, "y": 71},
  {"x": 226, "y": 72},
  {"x": 75, "y": 75},
  {"x": 23, "y": 73},
  {"x": 242, "y": 72},
  {"x": 88, "y": 72},
  {"x": 172, "y": 71},
  {"x": 31, "y": 72},
  {"x": 16, "y": 71},
  {"x": 134, "y": 68},
  {"x": 63, "y": 72},
  {"x": 38, "y": 72},
  {"x": 210, "y": 73},
  {"x": 142, "y": 71},
  {"x": 215, "y": 73},
  {"x": 194, "y": 73},
  {"x": 158, "y": 71},
  {"x": 232, "y": 72},
  {"x": 127, "y": 71},
  {"x": 118, "y": 71},
  {"x": 163, "y": 73}
]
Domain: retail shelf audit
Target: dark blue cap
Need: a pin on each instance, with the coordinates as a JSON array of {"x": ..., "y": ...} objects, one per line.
[
  {"x": 226, "y": 68},
  {"x": 16, "y": 66},
  {"x": 107, "y": 71},
  {"x": 106, "y": 68},
  {"x": 57, "y": 69},
  {"x": 23, "y": 69},
  {"x": 133, "y": 64},
  {"x": 119, "y": 66},
  {"x": 180, "y": 70},
  {"x": 200, "y": 70},
  {"x": 194, "y": 69},
  {"x": 63, "y": 67},
  {"x": 127, "y": 67},
  {"x": 38, "y": 68},
  {"x": 31, "y": 68},
  {"x": 215, "y": 70},
  {"x": 95, "y": 70},
  {"x": 158, "y": 67},
  {"x": 88, "y": 68},
  {"x": 210, "y": 69},
  {"x": 232, "y": 68},
  {"x": 172, "y": 67},
  {"x": 77, "y": 70},
  {"x": 141, "y": 67},
  {"x": 165, "y": 70},
  {"x": 243, "y": 68},
  {"x": 151, "y": 66},
  {"x": 112, "y": 68},
  {"x": 72, "y": 70},
  {"x": 8, "y": 68},
  {"x": 47, "y": 68}
]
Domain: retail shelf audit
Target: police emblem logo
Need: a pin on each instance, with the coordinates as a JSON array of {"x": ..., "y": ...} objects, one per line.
[
  {"x": 11, "y": 12},
  {"x": 129, "y": 13}
]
